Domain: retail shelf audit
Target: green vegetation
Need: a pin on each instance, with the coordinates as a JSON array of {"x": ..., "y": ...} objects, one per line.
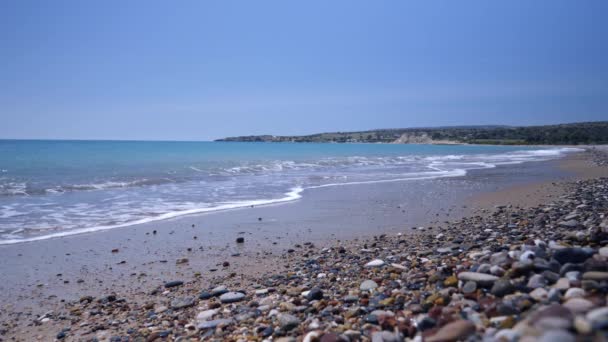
[{"x": 566, "y": 134}]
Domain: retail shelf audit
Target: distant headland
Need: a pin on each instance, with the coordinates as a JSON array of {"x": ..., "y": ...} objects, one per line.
[{"x": 561, "y": 134}]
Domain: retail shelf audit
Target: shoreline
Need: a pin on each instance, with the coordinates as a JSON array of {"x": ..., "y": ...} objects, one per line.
[{"x": 276, "y": 258}]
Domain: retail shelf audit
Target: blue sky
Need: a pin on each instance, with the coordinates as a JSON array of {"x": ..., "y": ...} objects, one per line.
[{"x": 198, "y": 70}]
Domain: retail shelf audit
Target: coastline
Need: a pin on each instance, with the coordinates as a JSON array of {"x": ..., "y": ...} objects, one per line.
[{"x": 267, "y": 244}]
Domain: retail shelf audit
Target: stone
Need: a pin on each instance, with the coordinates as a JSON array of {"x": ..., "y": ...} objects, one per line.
[
  {"x": 240, "y": 240},
  {"x": 288, "y": 322},
  {"x": 572, "y": 255},
  {"x": 368, "y": 285},
  {"x": 539, "y": 294},
  {"x": 598, "y": 317},
  {"x": 174, "y": 283},
  {"x": 450, "y": 281},
  {"x": 218, "y": 291},
  {"x": 454, "y": 331},
  {"x": 205, "y": 295},
  {"x": 469, "y": 287},
  {"x": 537, "y": 281},
  {"x": 582, "y": 325},
  {"x": 578, "y": 305},
  {"x": 232, "y": 297},
  {"x": 385, "y": 336},
  {"x": 206, "y": 315},
  {"x": 574, "y": 292},
  {"x": 557, "y": 336},
  {"x": 160, "y": 309},
  {"x": 497, "y": 271},
  {"x": 603, "y": 251},
  {"x": 527, "y": 256},
  {"x": 180, "y": 303},
  {"x": 502, "y": 287},
  {"x": 500, "y": 258},
  {"x": 506, "y": 335},
  {"x": 549, "y": 316},
  {"x": 562, "y": 284},
  {"x": 375, "y": 263},
  {"x": 314, "y": 294},
  {"x": 569, "y": 224},
  {"x": 597, "y": 276},
  {"x": 215, "y": 323},
  {"x": 481, "y": 279}
]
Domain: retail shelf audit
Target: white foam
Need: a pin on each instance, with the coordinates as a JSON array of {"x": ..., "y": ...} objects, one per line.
[{"x": 292, "y": 195}]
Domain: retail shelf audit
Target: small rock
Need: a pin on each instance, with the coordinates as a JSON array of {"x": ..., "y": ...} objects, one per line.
[
  {"x": 174, "y": 283},
  {"x": 537, "y": 281},
  {"x": 481, "y": 279},
  {"x": 572, "y": 255},
  {"x": 288, "y": 322},
  {"x": 539, "y": 294},
  {"x": 578, "y": 305},
  {"x": 314, "y": 294},
  {"x": 597, "y": 276},
  {"x": 375, "y": 263},
  {"x": 469, "y": 287},
  {"x": 180, "y": 303},
  {"x": 574, "y": 292},
  {"x": 457, "y": 330},
  {"x": 368, "y": 285},
  {"x": 232, "y": 297},
  {"x": 502, "y": 288},
  {"x": 215, "y": 323}
]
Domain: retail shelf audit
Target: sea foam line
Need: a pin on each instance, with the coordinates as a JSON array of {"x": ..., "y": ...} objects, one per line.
[{"x": 292, "y": 195}]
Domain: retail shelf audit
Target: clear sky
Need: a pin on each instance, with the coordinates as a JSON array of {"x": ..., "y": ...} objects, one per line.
[{"x": 198, "y": 70}]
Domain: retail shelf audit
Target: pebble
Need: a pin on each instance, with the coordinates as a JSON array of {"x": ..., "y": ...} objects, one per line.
[
  {"x": 215, "y": 323},
  {"x": 288, "y": 322},
  {"x": 232, "y": 297},
  {"x": 481, "y": 279},
  {"x": 469, "y": 287},
  {"x": 457, "y": 330},
  {"x": 375, "y": 263},
  {"x": 502, "y": 287},
  {"x": 539, "y": 294},
  {"x": 368, "y": 285},
  {"x": 573, "y": 255},
  {"x": 597, "y": 276},
  {"x": 574, "y": 292},
  {"x": 578, "y": 305},
  {"x": 180, "y": 303},
  {"x": 557, "y": 336},
  {"x": 206, "y": 315},
  {"x": 314, "y": 294}
]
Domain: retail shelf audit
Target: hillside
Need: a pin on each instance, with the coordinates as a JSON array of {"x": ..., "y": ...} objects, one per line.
[{"x": 567, "y": 134}]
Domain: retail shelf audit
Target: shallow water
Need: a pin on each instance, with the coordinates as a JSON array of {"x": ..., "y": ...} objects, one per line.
[{"x": 56, "y": 188}]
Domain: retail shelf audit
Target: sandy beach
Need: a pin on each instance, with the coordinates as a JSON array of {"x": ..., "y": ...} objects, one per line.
[{"x": 42, "y": 279}]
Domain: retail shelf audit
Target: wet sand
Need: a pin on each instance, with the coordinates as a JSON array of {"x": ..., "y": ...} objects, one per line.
[{"x": 39, "y": 276}]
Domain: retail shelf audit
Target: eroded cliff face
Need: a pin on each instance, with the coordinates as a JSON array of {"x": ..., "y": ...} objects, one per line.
[{"x": 421, "y": 138}]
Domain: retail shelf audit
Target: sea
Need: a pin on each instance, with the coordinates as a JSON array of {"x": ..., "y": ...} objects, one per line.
[{"x": 55, "y": 188}]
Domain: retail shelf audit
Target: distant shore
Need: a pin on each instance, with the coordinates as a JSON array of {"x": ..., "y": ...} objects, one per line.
[
  {"x": 46, "y": 277},
  {"x": 582, "y": 133}
]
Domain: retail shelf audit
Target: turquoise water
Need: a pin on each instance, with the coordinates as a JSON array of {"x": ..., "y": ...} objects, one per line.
[{"x": 57, "y": 188}]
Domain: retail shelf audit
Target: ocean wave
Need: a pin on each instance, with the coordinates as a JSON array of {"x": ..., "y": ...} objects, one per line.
[
  {"x": 291, "y": 195},
  {"x": 222, "y": 189},
  {"x": 27, "y": 189}
]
